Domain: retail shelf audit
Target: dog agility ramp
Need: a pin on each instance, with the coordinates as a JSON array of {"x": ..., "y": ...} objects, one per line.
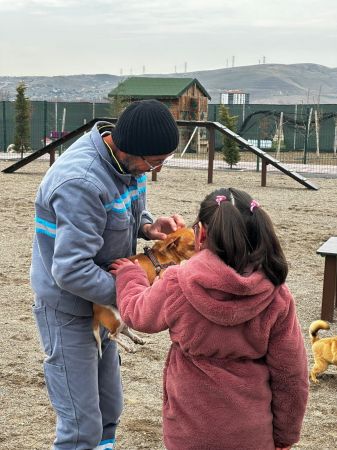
[{"x": 265, "y": 156}]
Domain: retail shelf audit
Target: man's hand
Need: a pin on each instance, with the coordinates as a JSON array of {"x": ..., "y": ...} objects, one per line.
[{"x": 159, "y": 229}]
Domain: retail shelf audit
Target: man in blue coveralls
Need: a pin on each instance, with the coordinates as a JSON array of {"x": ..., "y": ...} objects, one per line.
[{"x": 90, "y": 209}]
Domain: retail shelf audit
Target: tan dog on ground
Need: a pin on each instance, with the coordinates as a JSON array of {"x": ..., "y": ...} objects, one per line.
[
  {"x": 324, "y": 350},
  {"x": 177, "y": 247}
]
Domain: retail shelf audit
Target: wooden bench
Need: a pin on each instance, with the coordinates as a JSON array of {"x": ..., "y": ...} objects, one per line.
[{"x": 329, "y": 297}]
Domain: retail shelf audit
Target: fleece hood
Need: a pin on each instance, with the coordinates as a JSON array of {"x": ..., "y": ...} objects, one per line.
[{"x": 222, "y": 295}]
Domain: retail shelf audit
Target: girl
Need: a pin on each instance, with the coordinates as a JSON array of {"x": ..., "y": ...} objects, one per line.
[{"x": 236, "y": 374}]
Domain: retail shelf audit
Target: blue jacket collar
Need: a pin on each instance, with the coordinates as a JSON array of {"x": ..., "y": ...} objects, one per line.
[{"x": 105, "y": 155}]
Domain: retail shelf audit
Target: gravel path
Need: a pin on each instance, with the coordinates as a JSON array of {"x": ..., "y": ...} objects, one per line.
[{"x": 303, "y": 219}]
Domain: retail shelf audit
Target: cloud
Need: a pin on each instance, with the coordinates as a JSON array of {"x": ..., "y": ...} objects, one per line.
[
  {"x": 162, "y": 34},
  {"x": 147, "y": 16},
  {"x": 214, "y": 16}
]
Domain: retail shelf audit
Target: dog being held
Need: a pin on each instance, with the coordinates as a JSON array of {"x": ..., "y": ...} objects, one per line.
[
  {"x": 176, "y": 248},
  {"x": 324, "y": 349}
]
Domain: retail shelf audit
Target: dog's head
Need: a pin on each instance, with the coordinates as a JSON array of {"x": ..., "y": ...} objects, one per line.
[{"x": 177, "y": 247}]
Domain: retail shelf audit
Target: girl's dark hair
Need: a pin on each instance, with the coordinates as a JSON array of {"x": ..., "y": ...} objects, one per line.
[{"x": 243, "y": 237}]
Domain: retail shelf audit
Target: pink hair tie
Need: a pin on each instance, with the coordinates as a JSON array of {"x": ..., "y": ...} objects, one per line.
[
  {"x": 254, "y": 204},
  {"x": 220, "y": 198}
]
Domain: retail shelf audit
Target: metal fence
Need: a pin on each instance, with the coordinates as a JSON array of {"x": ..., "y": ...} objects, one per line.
[
  {"x": 49, "y": 120},
  {"x": 303, "y": 136}
]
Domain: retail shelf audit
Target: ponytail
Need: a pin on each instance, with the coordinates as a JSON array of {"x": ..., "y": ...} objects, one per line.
[
  {"x": 241, "y": 233},
  {"x": 226, "y": 233},
  {"x": 266, "y": 248}
]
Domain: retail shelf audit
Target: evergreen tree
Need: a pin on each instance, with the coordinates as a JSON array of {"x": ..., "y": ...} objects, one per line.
[
  {"x": 230, "y": 149},
  {"x": 22, "y": 118}
]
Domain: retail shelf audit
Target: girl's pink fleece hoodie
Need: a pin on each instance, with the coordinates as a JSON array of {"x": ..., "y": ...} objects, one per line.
[{"x": 236, "y": 374}]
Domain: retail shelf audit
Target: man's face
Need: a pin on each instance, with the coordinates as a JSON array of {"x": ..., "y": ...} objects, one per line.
[{"x": 136, "y": 165}]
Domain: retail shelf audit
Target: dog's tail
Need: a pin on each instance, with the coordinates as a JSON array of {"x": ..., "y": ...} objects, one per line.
[
  {"x": 315, "y": 327},
  {"x": 96, "y": 331}
]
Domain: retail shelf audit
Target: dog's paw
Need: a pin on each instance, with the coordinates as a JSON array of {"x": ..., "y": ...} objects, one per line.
[
  {"x": 138, "y": 340},
  {"x": 130, "y": 349}
]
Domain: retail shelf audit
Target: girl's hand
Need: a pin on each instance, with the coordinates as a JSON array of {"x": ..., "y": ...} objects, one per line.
[
  {"x": 282, "y": 448},
  {"x": 120, "y": 263}
]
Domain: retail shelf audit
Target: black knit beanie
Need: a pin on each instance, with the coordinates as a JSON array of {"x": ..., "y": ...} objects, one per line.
[{"x": 146, "y": 128}]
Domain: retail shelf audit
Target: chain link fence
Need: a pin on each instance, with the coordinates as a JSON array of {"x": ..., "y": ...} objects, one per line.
[{"x": 302, "y": 136}]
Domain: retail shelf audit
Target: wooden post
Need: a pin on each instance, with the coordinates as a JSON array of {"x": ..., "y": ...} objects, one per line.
[
  {"x": 279, "y": 136},
  {"x": 154, "y": 175},
  {"x": 295, "y": 128},
  {"x": 264, "y": 173},
  {"x": 51, "y": 157},
  {"x": 4, "y": 124},
  {"x": 45, "y": 117},
  {"x": 211, "y": 145},
  {"x": 329, "y": 296},
  {"x": 306, "y": 139},
  {"x": 317, "y": 132},
  {"x": 335, "y": 139}
]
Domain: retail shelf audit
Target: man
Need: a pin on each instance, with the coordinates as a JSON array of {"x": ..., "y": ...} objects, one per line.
[{"x": 90, "y": 209}]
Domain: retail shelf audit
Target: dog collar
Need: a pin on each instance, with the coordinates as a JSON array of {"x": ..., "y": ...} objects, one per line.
[{"x": 158, "y": 267}]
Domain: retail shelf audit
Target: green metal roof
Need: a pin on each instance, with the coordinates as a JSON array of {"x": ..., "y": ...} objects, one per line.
[{"x": 148, "y": 87}]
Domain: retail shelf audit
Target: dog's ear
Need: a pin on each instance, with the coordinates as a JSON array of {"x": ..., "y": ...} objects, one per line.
[
  {"x": 174, "y": 243},
  {"x": 169, "y": 243}
]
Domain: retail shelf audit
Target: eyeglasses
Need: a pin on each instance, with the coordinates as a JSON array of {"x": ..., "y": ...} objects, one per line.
[{"x": 163, "y": 163}]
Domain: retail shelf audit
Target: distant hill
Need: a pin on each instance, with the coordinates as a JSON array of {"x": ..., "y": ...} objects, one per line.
[
  {"x": 266, "y": 83},
  {"x": 63, "y": 88}
]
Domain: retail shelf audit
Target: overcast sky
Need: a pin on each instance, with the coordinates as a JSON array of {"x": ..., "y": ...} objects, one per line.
[{"x": 63, "y": 37}]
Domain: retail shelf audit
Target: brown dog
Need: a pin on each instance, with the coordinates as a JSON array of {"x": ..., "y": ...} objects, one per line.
[
  {"x": 177, "y": 247},
  {"x": 324, "y": 350}
]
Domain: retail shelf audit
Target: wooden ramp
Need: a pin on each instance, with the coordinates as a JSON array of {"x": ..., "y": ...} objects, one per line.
[
  {"x": 51, "y": 147},
  {"x": 211, "y": 127},
  {"x": 265, "y": 157}
]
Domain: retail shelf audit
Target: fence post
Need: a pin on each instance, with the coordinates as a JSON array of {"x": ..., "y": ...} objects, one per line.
[
  {"x": 264, "y": 173},
  {"x": 211, "y": 145},
  {"x": 306, "y": 139},
  {"x": 51, "y": 157},
  {"x": 45, "y": 123},
  {"x": 4, "y": 123}
]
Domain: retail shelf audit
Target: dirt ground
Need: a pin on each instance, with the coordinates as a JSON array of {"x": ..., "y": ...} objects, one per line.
[{"x": 304, "y": 220}]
